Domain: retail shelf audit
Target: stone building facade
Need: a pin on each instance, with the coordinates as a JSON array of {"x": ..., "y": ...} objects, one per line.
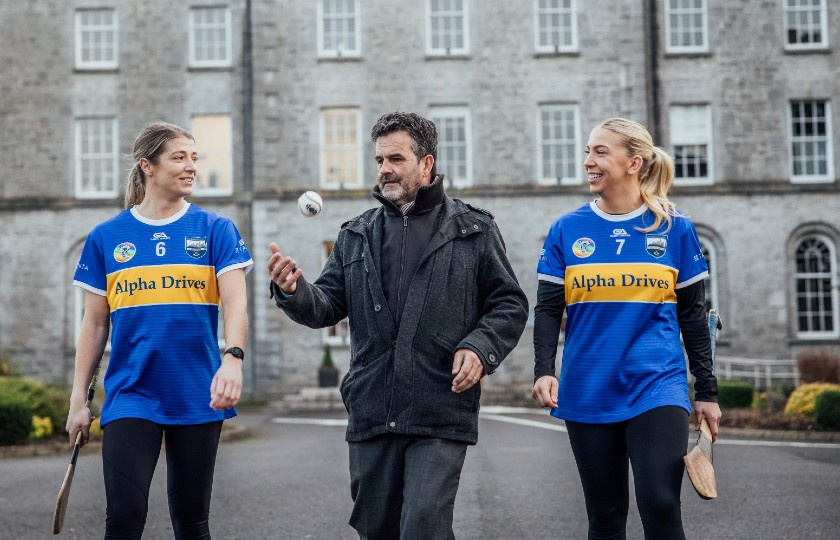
[{"x": 743, "y": 95}]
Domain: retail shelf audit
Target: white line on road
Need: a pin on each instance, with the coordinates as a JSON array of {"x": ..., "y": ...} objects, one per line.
[
  {"x": 496, "y": 413},
  {"x": 311, "y": 421}
]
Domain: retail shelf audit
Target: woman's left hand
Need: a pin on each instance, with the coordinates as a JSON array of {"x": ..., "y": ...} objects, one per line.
[
  {"x": 711, "y": 412},
  {"x": 226, "y": 387}
]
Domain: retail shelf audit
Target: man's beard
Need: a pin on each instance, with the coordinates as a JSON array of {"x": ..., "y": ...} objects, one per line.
[{"x": 396, "y": 191}]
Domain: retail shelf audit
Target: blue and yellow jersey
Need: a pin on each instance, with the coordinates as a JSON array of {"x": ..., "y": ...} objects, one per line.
[
  {"x": 622, "y": 353},
  {"x": 159, "y": 277}
]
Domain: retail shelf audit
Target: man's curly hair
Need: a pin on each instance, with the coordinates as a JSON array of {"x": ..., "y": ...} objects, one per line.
[{"x": 422, "y": 131}]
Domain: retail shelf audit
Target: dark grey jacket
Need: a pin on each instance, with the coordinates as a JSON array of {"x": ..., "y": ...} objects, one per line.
[{"x": 464, "y": 294}]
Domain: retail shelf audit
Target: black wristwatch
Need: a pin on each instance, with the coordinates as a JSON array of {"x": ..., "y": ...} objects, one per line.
[{"x": 236, "y": 352}]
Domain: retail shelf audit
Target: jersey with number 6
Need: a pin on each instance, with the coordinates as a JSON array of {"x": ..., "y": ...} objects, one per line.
[
  {"x": 159, "y": 277},
  {"x": 622, "y": 353}
]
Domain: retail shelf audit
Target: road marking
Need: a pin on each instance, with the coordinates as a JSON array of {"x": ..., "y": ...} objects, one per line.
[
  {"x": 496, "y": 414},
  {"x": 493, "y": 413},
  {"x": 311, "y": 421}
]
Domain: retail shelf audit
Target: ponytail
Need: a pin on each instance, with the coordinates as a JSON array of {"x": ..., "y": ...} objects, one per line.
[
  {"x": 656, "y": 174},
  {"x": 654, "y": 185},
  {"x": 135, "y": 186}
]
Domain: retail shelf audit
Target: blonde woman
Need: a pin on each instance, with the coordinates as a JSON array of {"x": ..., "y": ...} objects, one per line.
[
  {"x": 154, "y": 276},
  {"x": 628, "y": 271}
]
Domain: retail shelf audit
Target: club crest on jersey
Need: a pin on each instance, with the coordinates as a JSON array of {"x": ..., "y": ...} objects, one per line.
[
  {"x": 583, "y": 247},
  {"x": 124, "y": 252},
  {"x": 655, "y": 244},
  {"x": 196, "y": 246}
]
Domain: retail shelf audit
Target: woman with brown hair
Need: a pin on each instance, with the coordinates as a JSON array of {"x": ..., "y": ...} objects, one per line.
[{"x": 154, "y": 276}]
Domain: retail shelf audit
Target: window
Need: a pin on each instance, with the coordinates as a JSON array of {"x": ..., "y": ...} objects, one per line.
[
  {"x": 97, "y": 158},
  {"x": 685, "y": 26},
  {"x": 816, "y": 287},
  {"x": 711, "y": 282},
  {"x": 338, "y": 28},
  {"x": 446, "y": 27},
  {"x": 454, "y": 152},
  {"x": 806, "y": 24},
  {"x": 340, "y": 333},
  {"x": 341, "y": 150},
  {"x": 691, "y": 137},
  {"x": 559, "y": 159},
  {"x": 811, "y": 153},
  {"x": 97, "y": 44},
  {"x": 556, "y": 25},
  {"x": 213, "y": 137},
  {"x": 210, "y": 37}
]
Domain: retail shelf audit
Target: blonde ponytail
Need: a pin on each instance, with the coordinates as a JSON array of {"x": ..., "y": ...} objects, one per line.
[{"x": 656, "y": 174}]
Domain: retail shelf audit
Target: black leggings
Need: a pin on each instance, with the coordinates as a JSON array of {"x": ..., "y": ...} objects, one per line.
[
  {"x": 655, "y": 443},
  {"x": 130, "y": 450}
]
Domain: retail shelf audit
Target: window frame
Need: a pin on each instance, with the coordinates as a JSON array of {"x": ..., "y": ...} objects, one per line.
[
  {"x": 824, "y": 30},
  {"x": 455, "y": 112},
  {"x": 713, "y": 281},
  {"x": 96, "y": 65},
  {"x": 573, "y": 30},
  {"x": 358, "y": 182},
  {"x": 834, "y": 286},
  {"x": 686, "y": 49},
  {"x": 709, "y": 143},
  {"x": 198, "y": 191},
  {"x": 191, "y": 33},
  {"x": 79, "y": 193},
  {"x": 577, "y": 146},
  {"x": 465, "y": 29},
  {"x": 337, "y": 335},
  {"x": 324, "y": 52},
  {"x": 828, "y": 177}
]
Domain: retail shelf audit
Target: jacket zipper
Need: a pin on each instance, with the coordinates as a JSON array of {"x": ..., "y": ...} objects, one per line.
[{"x": 402, "y": 268}]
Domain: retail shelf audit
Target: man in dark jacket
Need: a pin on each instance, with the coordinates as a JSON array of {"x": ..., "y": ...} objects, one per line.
[{"x": 433, "y": 305}]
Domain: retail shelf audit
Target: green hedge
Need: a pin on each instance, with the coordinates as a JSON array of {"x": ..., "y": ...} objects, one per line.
[
  {"x": 45, "y": 401},
  {"x": 734, "y": 394},
  {"x": 16, "y": 419},
  {"x": 828, "y": 411}
]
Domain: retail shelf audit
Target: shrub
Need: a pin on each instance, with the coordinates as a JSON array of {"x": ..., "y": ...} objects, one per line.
[
  {"x": 42, "y": 428},
  {"x": 16, "y": 419},
  {"x": 45, "y": 401},
  {"x": 95, "y": 429},
  {"x": 827, "y": 410},
  {"x": 818, "y": 364},
  {"x": 734, "y": 394},
  {"x": 803, "y": 400}
]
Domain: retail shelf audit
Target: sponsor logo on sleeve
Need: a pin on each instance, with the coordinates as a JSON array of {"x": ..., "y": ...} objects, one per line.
[{"x": 124, "y": 252}]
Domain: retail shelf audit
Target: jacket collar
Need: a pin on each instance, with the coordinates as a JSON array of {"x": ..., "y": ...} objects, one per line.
[{"x": 427, "y": 197}]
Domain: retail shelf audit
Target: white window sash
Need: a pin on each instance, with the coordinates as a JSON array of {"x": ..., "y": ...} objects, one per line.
[
  {"x": 444, "y": 114},
  {"x": 222, "y": 60},
  {"x": 577, "y": 158},
  {"x": 823, "y": 14},
  {"x": 111, "y": 157},
  {"x": 431, "y": 49},
  {"x": 679, "y": 49},
  {"x": 80, "y": 45},
  {"x": 679, "y": 138},
  {"x": 352, "y": 50},
  {"x": 327, "y": 176},
  {"x": 834, "y": 287},
  {"x": 572, "y": 46},
  {"x": 829, "y": 143}
]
